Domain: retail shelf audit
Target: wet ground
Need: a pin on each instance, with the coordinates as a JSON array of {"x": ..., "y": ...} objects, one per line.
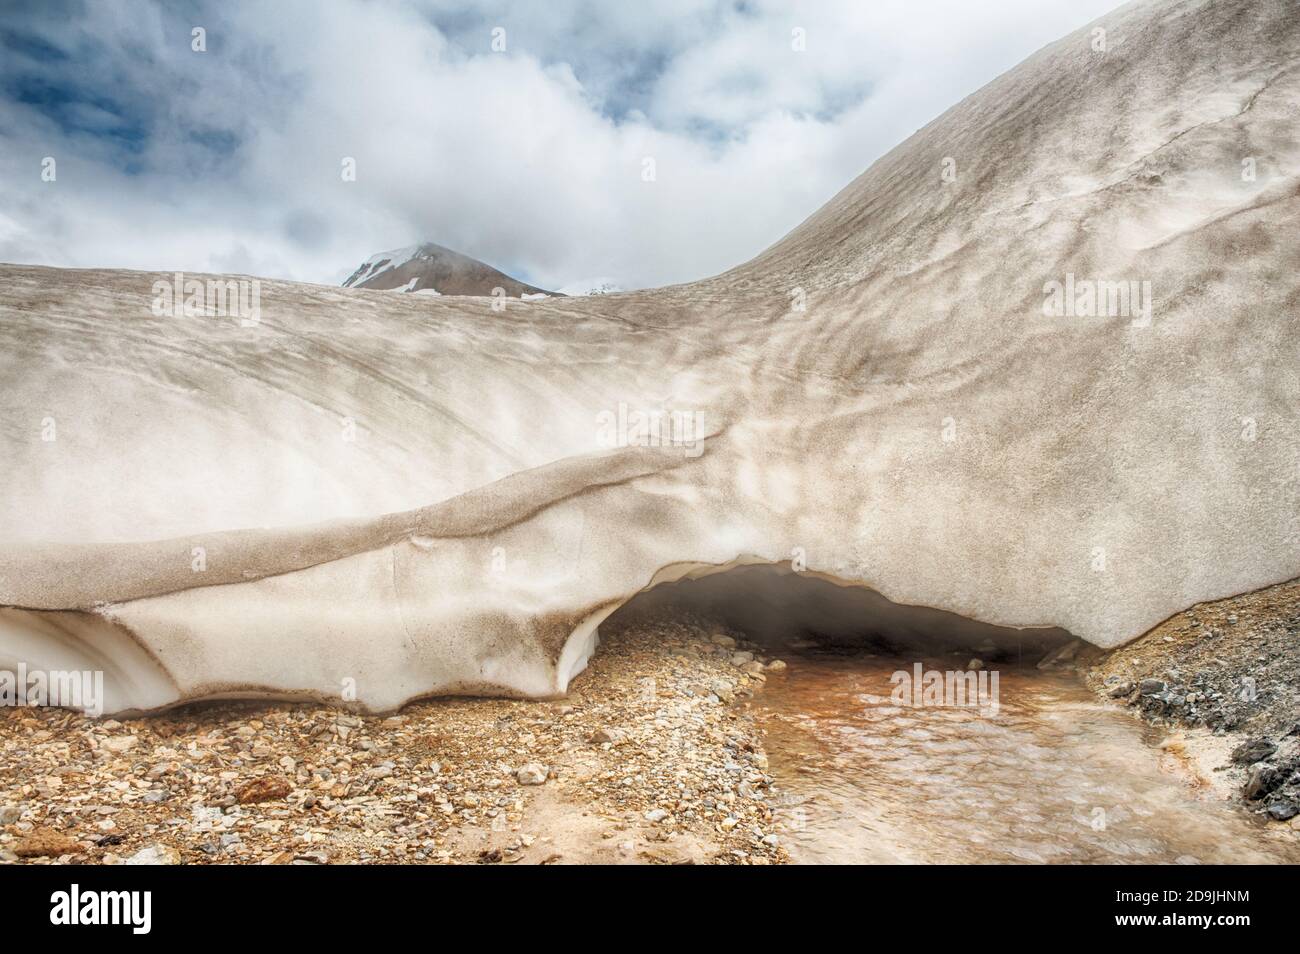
[{"x": 1053, "y": 775}]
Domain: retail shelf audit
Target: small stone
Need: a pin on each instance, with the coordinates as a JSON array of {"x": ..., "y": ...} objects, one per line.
[
  {"x": 10, "y": 814},
  {"x": 720, "y": 639},
  {"x": 741, "y": 658},
  {"x": 1151, "y": 687},
  {"x": 155, "y": 855},
  {"x": 1283, "y": 810},
  {"x": 1120, "y": 690},
  {"x": 975, "y": 665},
  {"x": 730, "y": 822},
  {"x": 656, "y": 815},
  {"x": 46, "y": 842},
  {"x": 121, "y": 744},
  {"x": 771, "y": 840},
  {"x": 532, "y": 774},
  {"x": 776, "y": 665},
  {"x": 603, "y": 735},
  {"x": 724, "y": 690},
  {"x": 265, "y": 789}
]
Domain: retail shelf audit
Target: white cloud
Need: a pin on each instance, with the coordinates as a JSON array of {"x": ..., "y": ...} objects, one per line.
[{"x": 530, "y": 160}]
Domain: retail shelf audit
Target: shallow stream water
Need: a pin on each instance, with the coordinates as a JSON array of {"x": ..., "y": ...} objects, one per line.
[{"x": 1053, "y": 775}]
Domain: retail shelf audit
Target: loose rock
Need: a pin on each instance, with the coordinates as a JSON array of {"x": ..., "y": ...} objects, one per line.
[
  {"x": 46, "y": 842},
  {"x": 532, "y": 774},
  {"x": 265, "y": 789},
  {"x": 155, "y": 855}
]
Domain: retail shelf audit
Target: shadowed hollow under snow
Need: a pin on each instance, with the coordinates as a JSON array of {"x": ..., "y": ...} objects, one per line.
[{"x": 415, "y": 495}]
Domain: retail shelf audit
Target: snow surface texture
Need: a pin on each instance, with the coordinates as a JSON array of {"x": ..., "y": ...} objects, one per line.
[{"x": 392, "y": 496}]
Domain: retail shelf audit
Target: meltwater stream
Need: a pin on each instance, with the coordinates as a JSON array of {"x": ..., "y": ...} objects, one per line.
[{"x": 1054, "y": 776}]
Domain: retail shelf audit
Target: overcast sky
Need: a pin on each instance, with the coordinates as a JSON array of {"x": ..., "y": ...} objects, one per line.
[{"x": 531, "y": 158}]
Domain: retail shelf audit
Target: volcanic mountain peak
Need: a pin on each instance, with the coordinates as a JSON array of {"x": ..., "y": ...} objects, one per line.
[{"x": 431, "y": 268}]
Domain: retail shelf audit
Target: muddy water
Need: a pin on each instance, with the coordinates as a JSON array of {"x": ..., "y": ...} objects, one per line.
[{"x": 1055, "y": 775}]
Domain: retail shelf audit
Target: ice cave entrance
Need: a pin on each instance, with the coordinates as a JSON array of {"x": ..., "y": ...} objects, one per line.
[{"x": 777, "y": 607}]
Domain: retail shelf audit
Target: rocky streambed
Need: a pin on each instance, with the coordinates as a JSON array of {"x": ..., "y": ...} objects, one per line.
[
  {"x": 1223, "y": 680},
  {"x": 684, "y": 743}
]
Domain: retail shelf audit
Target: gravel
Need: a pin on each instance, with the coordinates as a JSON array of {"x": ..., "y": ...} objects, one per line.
[{"x": 653, "y": 748}]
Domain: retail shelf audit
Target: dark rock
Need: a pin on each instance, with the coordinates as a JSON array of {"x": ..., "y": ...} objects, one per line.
[
  {"x": 1151, "y": 687},
  {"x": 1282, "y": 810},
  {"x": 1252, "y": 751},
  {"x": 1263, "y": 779}
]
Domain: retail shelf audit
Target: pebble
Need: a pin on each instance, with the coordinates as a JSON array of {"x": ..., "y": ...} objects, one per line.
[
  {"x": 155, "y": 855},
  {"x": 265, "y": 789},
  {"x": 1149, "y": 687},
  {"x": 532, "y": 774}
]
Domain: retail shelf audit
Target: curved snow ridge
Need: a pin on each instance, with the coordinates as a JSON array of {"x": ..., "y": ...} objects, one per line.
[
  {"x": 905, "y": 408},
  {"x": 76, "y": 576}
]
